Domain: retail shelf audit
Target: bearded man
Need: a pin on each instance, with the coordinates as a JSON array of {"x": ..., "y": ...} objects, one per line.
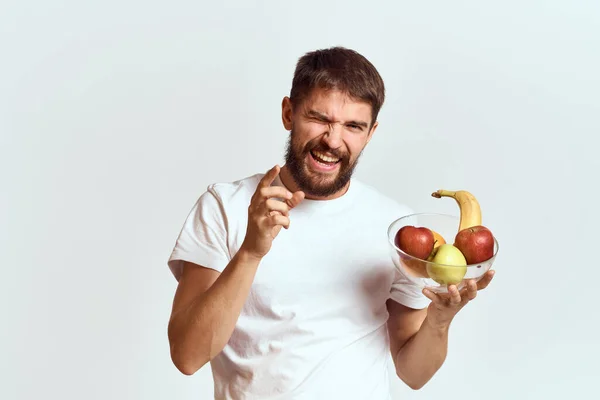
[{"x": 285, "y": 282}]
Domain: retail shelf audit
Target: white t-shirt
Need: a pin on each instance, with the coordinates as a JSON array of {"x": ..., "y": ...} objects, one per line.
[{"x": 314, "y": 323}]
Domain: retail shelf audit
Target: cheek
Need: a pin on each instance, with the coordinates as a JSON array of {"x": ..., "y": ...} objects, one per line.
[
  {"x": 354, "y": 146},
  {"x": 307, "y": 134},
  {"x": 313, "y": 131}
]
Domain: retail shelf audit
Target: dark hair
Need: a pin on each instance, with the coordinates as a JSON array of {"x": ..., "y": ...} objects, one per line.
[{"x": 342, "y": 69}]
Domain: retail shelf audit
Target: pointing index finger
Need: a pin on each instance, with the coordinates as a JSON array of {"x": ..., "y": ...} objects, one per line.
[{"x": 270, "y": 176}]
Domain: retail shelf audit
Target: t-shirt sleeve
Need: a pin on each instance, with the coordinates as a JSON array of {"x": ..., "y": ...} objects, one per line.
[
  {"x": 203, "y": 237},
  {"x": 407, "y": 292}
]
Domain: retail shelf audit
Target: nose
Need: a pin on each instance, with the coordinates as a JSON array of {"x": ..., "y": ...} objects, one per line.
[{"x": 333, "y": 136}]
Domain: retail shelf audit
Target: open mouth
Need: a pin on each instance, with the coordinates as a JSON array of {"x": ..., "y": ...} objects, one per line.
[{"x": 324, "y": 159}]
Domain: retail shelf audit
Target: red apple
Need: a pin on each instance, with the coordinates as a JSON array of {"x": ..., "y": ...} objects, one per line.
[
  {"x": 476, "y": 243},
  {"x": 415, "y": 241}
]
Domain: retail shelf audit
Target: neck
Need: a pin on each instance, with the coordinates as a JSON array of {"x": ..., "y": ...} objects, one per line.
[{"x": 289, "y": 182}]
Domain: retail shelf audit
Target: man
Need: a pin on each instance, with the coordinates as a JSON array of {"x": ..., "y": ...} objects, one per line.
[{"x": 304, "y": 312}]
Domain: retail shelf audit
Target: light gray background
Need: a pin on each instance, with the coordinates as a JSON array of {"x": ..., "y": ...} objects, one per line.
[{"x": 115, "y": 115}]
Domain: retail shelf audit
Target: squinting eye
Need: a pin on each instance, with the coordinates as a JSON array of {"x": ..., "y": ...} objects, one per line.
[{"x": 354, "y": 127}]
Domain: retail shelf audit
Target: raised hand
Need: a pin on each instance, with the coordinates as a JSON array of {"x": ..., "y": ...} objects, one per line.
[
  {"x": 268, "y": 212},
  {"x": 444, "y": 306}
]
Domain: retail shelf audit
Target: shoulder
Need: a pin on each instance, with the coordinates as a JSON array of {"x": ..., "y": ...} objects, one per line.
[
  {"x": 230, "y": 192},
  {"x": 221, "y": 203}
]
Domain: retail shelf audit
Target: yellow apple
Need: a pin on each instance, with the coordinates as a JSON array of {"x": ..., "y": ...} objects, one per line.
[{"x": 454, "y": 269}]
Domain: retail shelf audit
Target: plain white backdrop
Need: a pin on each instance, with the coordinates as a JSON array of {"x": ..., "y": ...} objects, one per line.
[{"x": 116, "y": 115}]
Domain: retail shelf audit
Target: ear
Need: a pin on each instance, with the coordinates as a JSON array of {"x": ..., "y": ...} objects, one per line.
[
  {"x": 286, "y": 113},
  {"x": 372, "y": 131}
]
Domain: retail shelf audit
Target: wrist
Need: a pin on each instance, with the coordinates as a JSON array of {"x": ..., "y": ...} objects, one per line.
[
  {"x": 439, "y": 328},
  {"x": 248, "y": 257}
]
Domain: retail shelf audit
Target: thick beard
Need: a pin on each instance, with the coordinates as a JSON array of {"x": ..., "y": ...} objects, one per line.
[{"x": 312, "y": 185}]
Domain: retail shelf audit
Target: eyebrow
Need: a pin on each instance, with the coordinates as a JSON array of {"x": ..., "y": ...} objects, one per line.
[{"x": 325, "y": 118}]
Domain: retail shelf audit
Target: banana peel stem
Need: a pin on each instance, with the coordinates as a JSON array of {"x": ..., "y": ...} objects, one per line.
[{"x": 444, "y": 193}]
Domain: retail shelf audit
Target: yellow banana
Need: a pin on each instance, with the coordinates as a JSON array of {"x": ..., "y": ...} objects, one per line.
[{"x": 470, "y": 211}]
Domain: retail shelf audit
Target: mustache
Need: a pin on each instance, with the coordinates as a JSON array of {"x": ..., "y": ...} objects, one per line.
[{"x": 327, "y": 150}]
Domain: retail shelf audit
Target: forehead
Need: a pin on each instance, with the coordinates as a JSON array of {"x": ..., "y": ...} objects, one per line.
[{"x": 337, "y": 104}]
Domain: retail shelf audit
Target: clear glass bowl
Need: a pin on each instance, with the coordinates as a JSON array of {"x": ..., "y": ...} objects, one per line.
[{"x": 421, "y": 271}]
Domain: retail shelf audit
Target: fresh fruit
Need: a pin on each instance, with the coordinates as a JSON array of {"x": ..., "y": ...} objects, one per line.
[
  {"x": 475, "y": 243},
  {"x": 433, "y": 253},
  {"x": 415, "y": 241},
  {"x": 438, "y": 241},
  {"x": 470, "y": 211},
  {"x": 454, "y": 269}
]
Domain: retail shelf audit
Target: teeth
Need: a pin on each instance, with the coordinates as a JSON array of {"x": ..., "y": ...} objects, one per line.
[{"x": 325, "y": 158}]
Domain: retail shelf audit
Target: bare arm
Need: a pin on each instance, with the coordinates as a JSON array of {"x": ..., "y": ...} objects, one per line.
[
  {"x": 419, "y": 338},
  {"x": 205, "y": 310},
  {"x": 418, "y": 348}
]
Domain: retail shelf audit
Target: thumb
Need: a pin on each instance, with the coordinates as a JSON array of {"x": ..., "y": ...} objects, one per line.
[{"x": 296, "y": 199}]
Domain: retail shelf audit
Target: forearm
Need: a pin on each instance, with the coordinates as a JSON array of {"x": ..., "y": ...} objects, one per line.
[
  {"x": 422, "y": 355},
  {"x": 200, "y": 331}
]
